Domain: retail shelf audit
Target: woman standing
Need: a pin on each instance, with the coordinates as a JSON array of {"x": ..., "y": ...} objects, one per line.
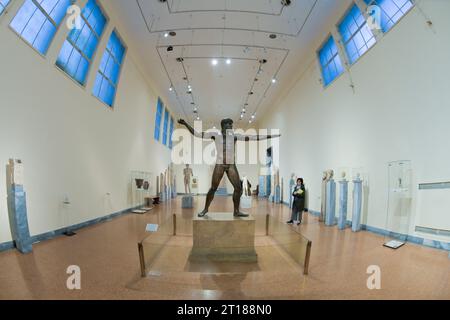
[{"x": 298, "y": 205}]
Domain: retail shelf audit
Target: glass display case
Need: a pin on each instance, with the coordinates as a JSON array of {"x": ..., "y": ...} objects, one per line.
[
  {"x": 399, "y": 203},
  {"x": 141, "y": 188}
]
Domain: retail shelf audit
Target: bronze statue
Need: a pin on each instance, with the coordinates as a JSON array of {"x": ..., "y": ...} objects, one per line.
[{"x": 225, "y": 145}]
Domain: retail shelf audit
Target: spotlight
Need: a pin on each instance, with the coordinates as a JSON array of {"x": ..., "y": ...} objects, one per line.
[
  {"x": 169, "y": 49},
  {"x": 244, "y": 110},
  {"x": 166, "y": 35},
  {"x": 198, "y": 118},
  {"x": 214, "y": 62},
  {"x": 286, "y": 2},
  {"x": 171, "y": 88},
  {"x": 273, "y": 36},
  {"x": 253, "y": 116},
  {"x": 242, "y": 115},
  {"x": 274, "y": 80},
  {"x": 228, "y": 61},
  {"x": 172, "y": 33},
  {"x": 263, "y": 61},
  {"x": 190, "y": 87},
  {"x": 180, "y": 59}
]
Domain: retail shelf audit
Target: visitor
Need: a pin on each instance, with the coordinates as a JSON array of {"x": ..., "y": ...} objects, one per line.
[{"x": 298, "y": 205}]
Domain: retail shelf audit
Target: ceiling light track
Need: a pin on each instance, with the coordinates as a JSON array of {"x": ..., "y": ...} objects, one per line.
[
  {"x": 270, "y": 85},
  {"x": 246, "y": 104},
  {"x": 224, "y": 45},
  {"x": 277, "y": 14},
  {"x": 171, "y": 85},
  {"x": 295, "y": 35}
]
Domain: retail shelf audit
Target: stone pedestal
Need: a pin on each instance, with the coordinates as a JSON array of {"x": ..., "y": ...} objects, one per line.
[
  {"x": 187, "y": 202},
  {"x": 330, "y": 216},
  {"x": 222, "y": 237},
  {"x": 357, "y": 205},
  {"x": 343, "y": 196}
]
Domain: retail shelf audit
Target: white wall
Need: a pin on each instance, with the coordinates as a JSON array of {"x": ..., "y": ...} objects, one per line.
[
  {"x": 399, "y": 111},
  {"x": 70, "y": 142}
]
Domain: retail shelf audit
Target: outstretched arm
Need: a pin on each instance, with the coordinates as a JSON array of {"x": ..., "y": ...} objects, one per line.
[
  {"x": 192, "y": 131},
  {"x": 257, "y": 137}
]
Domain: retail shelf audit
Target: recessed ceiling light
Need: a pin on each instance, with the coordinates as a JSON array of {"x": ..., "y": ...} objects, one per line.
[
  {"x": 253, "y": 116},
  {"x": 166, "y": 35},
  {"x": 198, "y": 118},
  {"x": 242, "y": 115},
  {"x": 214, "y": 62},
  {"x": 249, "y": 121},
  {"x": 274, "y": 80},
  {"x": 171, "y": 88},
  {"x": 228, "y": 61},
  {"x": 189, "y": 87}
]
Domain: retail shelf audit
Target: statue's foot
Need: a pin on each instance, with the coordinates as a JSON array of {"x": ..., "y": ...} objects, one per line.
[
  {"x": 203, "y": 213},
  {"x": 241, "y": 215}
]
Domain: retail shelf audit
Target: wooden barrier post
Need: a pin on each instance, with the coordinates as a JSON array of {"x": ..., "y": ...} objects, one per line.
[
  {"x": 141, "y": 259},
  {"x": 174, "y": 224}
]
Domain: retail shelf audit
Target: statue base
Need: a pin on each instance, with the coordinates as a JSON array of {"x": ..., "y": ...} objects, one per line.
[
  {"x": 221, "y": 237},
  {"x": 187, "y": 202}
]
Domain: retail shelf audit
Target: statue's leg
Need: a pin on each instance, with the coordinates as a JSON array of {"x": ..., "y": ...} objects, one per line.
[
  {"x": 218, "y": 173},
  {"x": 233, "y": 176}
]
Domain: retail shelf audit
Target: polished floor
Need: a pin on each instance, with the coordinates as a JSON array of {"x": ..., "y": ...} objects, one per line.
[{"x": 108, "y": 257}]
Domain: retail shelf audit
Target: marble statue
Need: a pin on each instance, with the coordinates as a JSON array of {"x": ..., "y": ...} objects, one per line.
[
  {"x": 188, "y": 173},
  {"x": 225, "y": 142}
]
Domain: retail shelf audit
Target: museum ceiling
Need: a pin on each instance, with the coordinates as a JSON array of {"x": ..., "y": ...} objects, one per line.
[{"x": 216, "y": 58}]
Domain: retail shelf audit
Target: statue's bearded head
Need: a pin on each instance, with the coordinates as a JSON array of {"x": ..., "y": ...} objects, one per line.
[{"x": 227, "y": 124}]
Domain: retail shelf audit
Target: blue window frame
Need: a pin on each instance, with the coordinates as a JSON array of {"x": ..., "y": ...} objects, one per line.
[
  {"x": 356, "y": 34},
  {"x": 330, "y": 61},
  {"x": 391, "y": 11},
  {"x": 158, "y": 118},
  {"x": 105, "y": 86},
  {"x": 38, "y": 20},
  {"x": 171, "y": 132},
  {"x": 78, "y": 50},
  {"x": 3, "y": 5},
  {"x": 166, "y": 126}
]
